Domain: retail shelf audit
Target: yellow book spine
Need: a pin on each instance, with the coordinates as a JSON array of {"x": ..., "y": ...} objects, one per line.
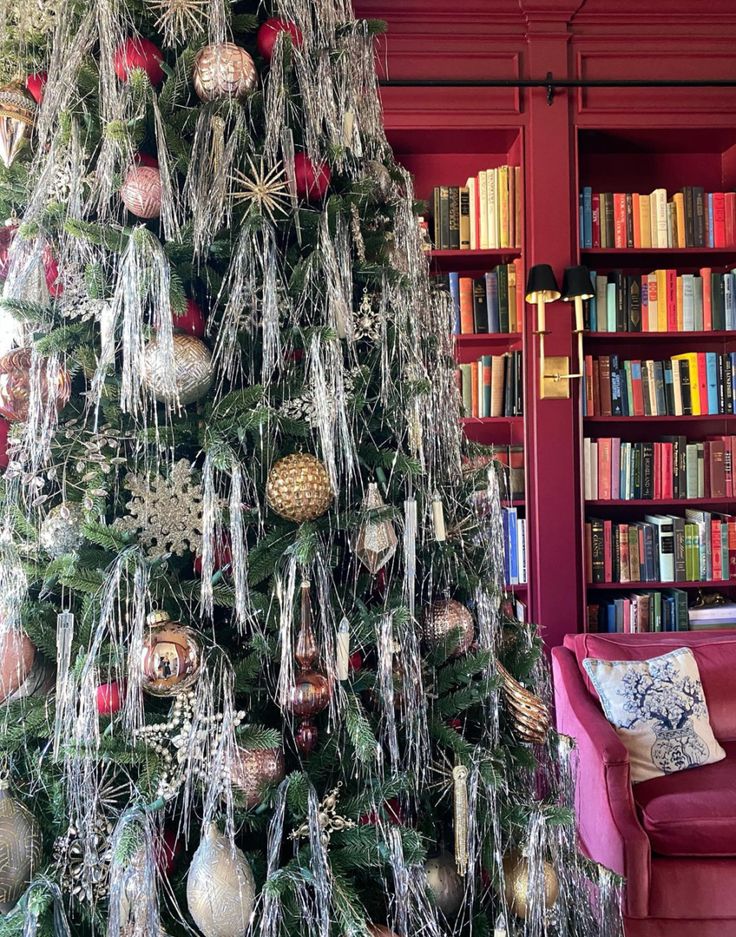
[
  {"x": 645, "y": 220},
  {"x": 679, "y": 199},
  {"x": 503, "y": 226},
  {"x": 483, "y": 201},
  {"x": 692, "y": 361},
  {"x": 661, "y": 300}
]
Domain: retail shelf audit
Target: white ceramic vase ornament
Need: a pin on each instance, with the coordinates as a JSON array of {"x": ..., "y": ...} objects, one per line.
[{"x": 220, "y": 887}]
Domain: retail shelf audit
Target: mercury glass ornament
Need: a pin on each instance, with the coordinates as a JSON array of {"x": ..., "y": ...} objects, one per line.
[
  {"x": 445, "y": 621},
  {"x": 20, "y": 848},
  {"x": 16, "y": 663},
  {"x": 172, "y": 656},
  {"x": 377, "y": 540},
  {"x": 220, "y": 887},
  {"x": 298, "y": 488},
  {"x": 61, "y": 529},
  {"x": 254, "y": 769},
  {"x": 17, "y": 113},
  {"x": 516, "y": 883},
  {"x": 141, "y": 192},
  {"x": 224, "y": 70},
  {"x": 311, "y": 691},
  {"x": 445, "y": 884},
  {"x": 193, "y": 370},
  {"x": 15, "y": 385}
]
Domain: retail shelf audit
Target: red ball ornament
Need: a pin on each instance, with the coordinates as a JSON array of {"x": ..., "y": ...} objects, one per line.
[
  {"x": 4, "y": 427},
  {"x": 269, "y": 33},
  {"x": 393, "y": 812},
  {"x": 109, "y": 698},
  {"x": 356, "y": 661},
  {"x": 36, "y": 84},
  {"x": 141, "y": 192},
  {"x": 167, "y": 848},
  {"x": 7, "y": 233},
  {"x": 145, "y": 159},
  {"x": 223, "y": 555},
  {"x": 139, "y": 53},
  {"x": 191, "y": 321},
  {"x": 312, "y": 181},
  {"x": 54, "y": 285}
]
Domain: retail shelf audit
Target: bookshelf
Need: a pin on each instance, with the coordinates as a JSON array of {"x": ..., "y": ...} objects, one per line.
[{"x": 615, "y": 139}]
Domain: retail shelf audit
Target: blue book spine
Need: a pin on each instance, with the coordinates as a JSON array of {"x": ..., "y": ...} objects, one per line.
[
  {"x": 506, "y": 546},
  {"x": 711, "y": 371},
  {"x": 593, "y": 307},
  {"x": 587, "y": 216},
  {"x": 711, "y": 241},
  {"x": 494, "y": 319},
  {"x": 454, "y": 282},
  {"x": 581, "y": 220},
  {"x": 611, "y": 306},
  {"x": 730, "y": 300},
  {"x": 513, "y": 547},
  {"x": 610, "y": 618}
]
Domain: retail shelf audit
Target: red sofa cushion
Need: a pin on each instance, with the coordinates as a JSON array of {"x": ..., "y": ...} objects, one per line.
[
  {"x": 715, "y": 654},
  {"x": 693, "y": 812}
]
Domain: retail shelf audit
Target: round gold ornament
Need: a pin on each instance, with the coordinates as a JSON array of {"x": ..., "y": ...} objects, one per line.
[
  {"x": 446, "y": 621},
  {"x": 172, "y": 657},
  {"x": 254, "y": 769},
  {"x": 516, "y": 887},
  {"x": 299, "y": 488},
  {"x": 193, "y": 370},
  {"x": 15, "y": 385},
  {"x": 446, "y": 885},
  {"x": 17, "y": 658},
  {"x": 17, "y": 113},
  {"x": 141, "y": 192},
  {"x": 61, "y": 529},
  {"x": 20, "y": 848},
  {"x": 221, "y": 889},
  {"x": 224, "y": 70}
]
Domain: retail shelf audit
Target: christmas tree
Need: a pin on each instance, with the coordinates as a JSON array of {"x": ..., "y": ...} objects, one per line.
[{"x": 257, "y": 674}]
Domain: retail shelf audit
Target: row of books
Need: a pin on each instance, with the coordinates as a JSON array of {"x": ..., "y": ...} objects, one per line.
[
  {"x": 660, "y": 610},
  {"x": 514, "y": 537},
  {"x": 662, "y": 301},
  {"x": 483, "y": 214},
  {"x": 668, "y": 469},
  {"x": 508, "y": 461},
  {"x": 492, "y": 386},
  {"x": 491, "y": 303},
  {"x": 691, "y": 218},
  {"x": 694, "y": 383},
  {"x": 699, "y": 547}
]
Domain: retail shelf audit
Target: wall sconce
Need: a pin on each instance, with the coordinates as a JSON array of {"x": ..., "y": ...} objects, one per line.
[
  {"x": 541, "y": 288},
  {"x": 577, "y": 286}
]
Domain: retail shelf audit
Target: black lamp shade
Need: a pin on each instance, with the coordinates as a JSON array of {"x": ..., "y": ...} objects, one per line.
[
  {"x": 541, "y": 284},
  {"x": 577, "y": 282}
]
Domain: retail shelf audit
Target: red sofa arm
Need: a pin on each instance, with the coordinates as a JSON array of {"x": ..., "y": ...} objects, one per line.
[{"x": 608, "y": 826}]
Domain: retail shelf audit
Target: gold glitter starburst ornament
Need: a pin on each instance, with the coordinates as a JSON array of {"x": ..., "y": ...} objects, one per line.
[
  {"x": 180, "y": 20},
  {"x": 264, "y": 190}
]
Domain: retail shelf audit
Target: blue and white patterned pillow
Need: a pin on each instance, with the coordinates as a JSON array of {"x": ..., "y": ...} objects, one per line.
[{"x": 658, "y": 709}]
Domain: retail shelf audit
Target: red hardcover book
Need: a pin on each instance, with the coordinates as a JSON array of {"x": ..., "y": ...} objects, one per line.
[
  {"x": 607, "y": 551},
  {"x": 627, "y": 615},
  {"x": 619, "y": 219},
  {"x": 658, "y": 470},
  {"x": 671, "y": 276},
  {"x": 635, "y": 211},
  {"x": 638, "y": 391},
  {"x": 467, "y": 323},
  {"x": 596, "y": 386},
  {"x": 596, "y": 212},
  {"x": 719, "y": 219},
  {"x": 604, "y": 382},
  {"x": 730, "y": 221},
  {"x": 728, "y": 464},
  {"x": 702, "y": 382},
  {"x": 589, "y": 384},
  {"x": 715, "y": 549},
  {"x": 705, "y": 273},
  {"x": 715, "y": 457},
  {"x": 668, "y": 451},
  {"x": 731, "y": 547},
  {"x": 604, "y": 469}
]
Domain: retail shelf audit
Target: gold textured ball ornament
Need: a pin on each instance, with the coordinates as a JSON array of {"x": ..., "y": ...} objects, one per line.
[
  {"x": 193, "y": 370},
  {"x": 254, "y": 769},
  {"x": 447, "y": 620},
  {"x": 20, "y": 848},
  {"x": 221, "y": 889},
  {"x": 298, "y": 488},
  {"x": 446, "y": 885},
  {"x": 224, "y": 70},
  {"x": 172, "y": 657},
  {"x": 516, "y": 887},
  {"x": 141, "y": 192}
]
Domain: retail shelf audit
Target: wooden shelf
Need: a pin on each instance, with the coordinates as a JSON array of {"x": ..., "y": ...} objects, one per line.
[
  {"x": 711, "y": 584},
  {"x": 660, "y": 336},
  {"x": 710, "y": 256},
  {"x": 659, "y": 502},
  {"x": 492, "y": 420},
  {"x": 699, "y": 418},
  {"x": 488, "y": 338},
  {"x": 517, "y": 503},
  {"x": 468, "y": 260}
]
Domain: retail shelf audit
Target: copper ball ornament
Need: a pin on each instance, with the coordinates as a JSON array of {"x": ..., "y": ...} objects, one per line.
[
  {"x": 516, "y": 883},
  {"x": 193, "y": 370},
  {"x": 255, "y": 769},
  {"x": 172, "y": 656},
  {"x": 20, "y": 848},
  {"x": 310, "y": 695},
  {"x": 446, "y": 621},
  {"x": 17, "y": 113},
  {"x": 17, "y": 657},
  {"x": 445, "y": 883},
  {"x": 141, "y": 192},
  {"x": 298, "y": 488},
  {"x": 224, "y": 70},
  {"x": 61, "y": 529},
  {"x": 15, "y": 385}
]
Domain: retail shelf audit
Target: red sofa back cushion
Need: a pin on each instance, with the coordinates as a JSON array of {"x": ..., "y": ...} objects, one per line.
[{"x": 715, "y": 653}]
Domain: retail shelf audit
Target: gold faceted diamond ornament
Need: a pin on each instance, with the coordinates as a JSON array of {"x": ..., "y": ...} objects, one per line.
[
  {"x": 377, "y": 540},
  {"x": 298, "y": 488},
  {"x": 17, "y": 113}
]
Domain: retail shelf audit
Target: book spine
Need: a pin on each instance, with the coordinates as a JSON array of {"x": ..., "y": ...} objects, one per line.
[
  {"x": 453, "y": 217},
  {"x": 444, "y": 218},
  {"x": 454, "y": 284},
  {"x": 465, "y": 218},
  {"x": 467, "y": 320}
]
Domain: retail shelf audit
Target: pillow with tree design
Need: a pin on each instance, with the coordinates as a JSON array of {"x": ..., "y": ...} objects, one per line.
[{"x": 658, "y": 709}]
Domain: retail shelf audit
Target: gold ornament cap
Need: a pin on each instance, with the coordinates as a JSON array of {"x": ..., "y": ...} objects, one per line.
[{"x": 157, "y": 617}]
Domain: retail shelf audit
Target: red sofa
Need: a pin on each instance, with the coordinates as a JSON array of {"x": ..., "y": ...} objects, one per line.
[{"x": 673, "y": 838}]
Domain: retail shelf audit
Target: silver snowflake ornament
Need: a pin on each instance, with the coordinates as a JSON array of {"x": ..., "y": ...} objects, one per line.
[{"x": 165, "y": 512}]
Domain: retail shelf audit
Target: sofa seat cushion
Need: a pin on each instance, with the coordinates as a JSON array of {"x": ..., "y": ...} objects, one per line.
[{"x": 692, "y": 813}]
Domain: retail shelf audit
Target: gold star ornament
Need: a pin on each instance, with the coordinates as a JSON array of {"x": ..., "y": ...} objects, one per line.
[
  {"x": 180, "y": 20},
  {"x": 262, "y": 190}
]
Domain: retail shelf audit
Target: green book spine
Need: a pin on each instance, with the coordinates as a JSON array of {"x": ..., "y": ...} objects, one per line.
[
  {"x": 467, "y": 374},
  {"x": 503, "y": 296}
]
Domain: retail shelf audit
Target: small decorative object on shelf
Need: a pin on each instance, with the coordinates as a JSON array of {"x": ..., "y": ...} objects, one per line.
[
  {"x": 528, "y": 713},
  {"x": 221, "y": 889},
  {"x": 299, "y": 488},
  {"x": 171, "y": 659},
  {"x": 224, "y": 70}
]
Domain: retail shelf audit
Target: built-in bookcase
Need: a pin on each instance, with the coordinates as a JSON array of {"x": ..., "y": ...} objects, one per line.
[
  {"x": 641, "y": 160},
  {"x": 449, "y": 157}
]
